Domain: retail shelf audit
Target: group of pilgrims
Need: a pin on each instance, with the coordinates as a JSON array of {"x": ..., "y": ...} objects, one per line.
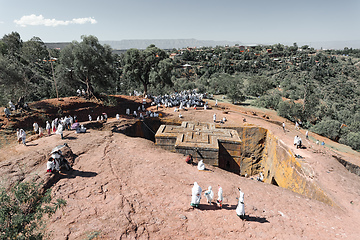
[
  {"x": 12, "y": 107},
  {"x": 209, "y": 194},
  {"x": 184, "y": 99},
  {"x": 57, "y": 126}
]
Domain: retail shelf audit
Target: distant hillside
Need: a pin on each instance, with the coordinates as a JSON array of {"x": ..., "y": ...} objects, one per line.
[
  {"x": 183, "y": 43},
  {"x": 54, "y": 45},
  {"x": 165, "y": 43},
  {"x": 160, "y": 43}
]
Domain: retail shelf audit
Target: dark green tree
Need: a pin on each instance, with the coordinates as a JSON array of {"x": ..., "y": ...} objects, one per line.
[
  {"x": 34, "y": 50},
  {"x": 13, "y": 43},
  {"x": 138, "y": 65},
  {"x": 88, "y": 64}
]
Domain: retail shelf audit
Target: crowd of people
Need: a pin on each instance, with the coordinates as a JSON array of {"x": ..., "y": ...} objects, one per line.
[
  {"x": 20, "y": 105},
  {"x": 188, "y": 99}
]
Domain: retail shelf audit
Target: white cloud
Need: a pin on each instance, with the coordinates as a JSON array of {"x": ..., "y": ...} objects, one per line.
[{"x": 33, "y": 20}]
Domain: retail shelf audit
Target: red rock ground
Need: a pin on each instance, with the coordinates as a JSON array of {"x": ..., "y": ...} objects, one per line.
[{"x": 127, "y": 188}]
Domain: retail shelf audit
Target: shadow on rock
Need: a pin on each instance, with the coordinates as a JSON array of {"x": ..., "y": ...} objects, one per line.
[
  {"x": 70, "y": 137},
  {"x": 206, "y": 207},
  {"x": 213, "y": 206},
  {"x": 31, "y": 144},
  {"x": 78, "y": 173},
  {"x": 229, "y": 207},
  {"x": 256, "y": 219},
  {"x": 52, "y": 178}
]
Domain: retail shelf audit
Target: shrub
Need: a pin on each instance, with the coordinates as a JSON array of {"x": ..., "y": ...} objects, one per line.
[
  {"x": 21, "y": 211},
  {"x": 328, "y": 128},
  {"x": 270, "y": 100},
  {"x": 353, "y": 140}
]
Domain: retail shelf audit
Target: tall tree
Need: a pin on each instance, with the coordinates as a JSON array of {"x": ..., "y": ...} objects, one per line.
[
  {"x": 13, "y": 43},
  {"x": 34, "y": 50},
  {"x": 87, "y": 63},
  {"x": 139, "y": 64}
]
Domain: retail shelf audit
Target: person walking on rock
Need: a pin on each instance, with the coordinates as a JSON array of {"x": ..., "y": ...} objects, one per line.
[
  {"x": 220, "y": 198},
  {"x": 60, "y": 130},
  {"x": 22, "y": 135},
  {"x": 53, "y": 128},
  {"x": 48, "y": 127},
  {"x": 36, "y": 127},
  {"x": 7, "y": 112},
  {"x": 283, "y": 126},
  {"x": 195, "y": 195},
  {"x": 209, "y": 194},
  {"x": 240, "y": 209},
  {"x": 41, "y": 132}
]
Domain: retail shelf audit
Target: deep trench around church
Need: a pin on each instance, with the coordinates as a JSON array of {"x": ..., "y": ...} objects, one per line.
[{"x": 259, "y": 151}]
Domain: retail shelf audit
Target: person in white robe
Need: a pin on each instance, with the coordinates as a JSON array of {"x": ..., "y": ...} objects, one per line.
[
  {"x": 52, "y": 165},
  {"x": 117, "y": 116},
  {"x": 12, "y": 106},
  {"x": 36, "y": 127},
  {"x": 209, "y": 194},
  {"x": 41, "y": 132},
  {"x": 7, "y": 112},
  {"x": 128, "y": 111},
  {"x": 220, "y": 198},
  {"x": 53, "y": 126},
  {"x": 48, "y": 127},
  {"x": 240, "y": 209},
  {"x": 22, "y": 135},
  {"x": 18, "y": 136},
  {"x": 201, "y": 165},
  {"x": 90, "y": 118},
  {"x": 214, "y": 117},
  {"x": 195, "y": 195},
  {"x": 299, "y": 142},
  {"x": 81, "y": 129},
  {"x": 296, "y": 139},
  {"x": 59, "y": 130}
]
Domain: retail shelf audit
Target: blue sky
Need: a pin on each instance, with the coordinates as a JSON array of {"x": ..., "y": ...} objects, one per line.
[{"x": 256, "y": 21}]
